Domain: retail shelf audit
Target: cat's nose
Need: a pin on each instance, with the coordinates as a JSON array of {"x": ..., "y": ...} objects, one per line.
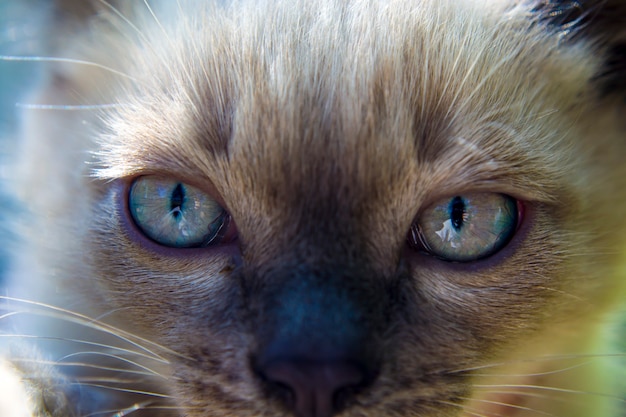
[
  {"x": 316, "y": 332},
  {"x": 315, "y": 386}
]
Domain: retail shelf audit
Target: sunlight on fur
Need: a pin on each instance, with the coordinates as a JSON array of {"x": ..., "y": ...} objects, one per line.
[
  {"x": 328, "y": 208},
  {"x": 13, "y": 397}
]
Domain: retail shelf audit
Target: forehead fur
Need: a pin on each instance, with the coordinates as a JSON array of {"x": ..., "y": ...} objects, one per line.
[{"x": 320, "y": 94}]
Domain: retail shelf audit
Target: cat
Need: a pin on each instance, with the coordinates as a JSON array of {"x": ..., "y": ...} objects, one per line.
[{"x": 321, "y": 208}]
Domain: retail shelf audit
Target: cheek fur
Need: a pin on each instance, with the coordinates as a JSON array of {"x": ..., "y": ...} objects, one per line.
[{"x": 132, "y": 269}]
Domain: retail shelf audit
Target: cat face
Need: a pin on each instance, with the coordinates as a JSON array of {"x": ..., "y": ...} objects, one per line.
[{"x": 346, "y": 209}]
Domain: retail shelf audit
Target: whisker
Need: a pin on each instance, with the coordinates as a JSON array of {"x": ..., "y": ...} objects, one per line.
[
  {"x": 85, "y": 365},
  {"x": 28, "y": 106},
  {"x": 78, "y": 319},
  {"x": 466, "y": 409},
  {"x": 88, "y": 343},
  {"x": 138, "y": 407},
  {"x": 183, "y": 67},
  {"x": 9, "y": 314},
  {"x": 112, "y": 356},
  {"x": 65, "y": 60},
  {"x": 546, "y": 358},
  {"x": 556, "y": 371},
  {"x": 123, "y": 18},
  {"x": 138, "y": 31},
  {"x": 522, "y": 393},
  {"x": 518, "y": 407},
  {"x": 552, "y": 389},
  {"x": 119, "y": 413},
  {"x": 81, "y": 319},
  {"x": 106, "y": 379},
  {"x": 565, "y": 293},
  {"x": 108, "y": 313},
  {"x": 125, "y": 390}
]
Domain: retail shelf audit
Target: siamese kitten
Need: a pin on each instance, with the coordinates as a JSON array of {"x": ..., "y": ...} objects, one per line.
[{"x": 329, "y": 208}]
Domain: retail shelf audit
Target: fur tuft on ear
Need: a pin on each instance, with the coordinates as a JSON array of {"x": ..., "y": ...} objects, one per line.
[{"x": 602, "y": 22}]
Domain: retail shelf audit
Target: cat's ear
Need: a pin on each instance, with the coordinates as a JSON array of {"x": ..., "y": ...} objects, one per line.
[{"x": 601, "y": 22}]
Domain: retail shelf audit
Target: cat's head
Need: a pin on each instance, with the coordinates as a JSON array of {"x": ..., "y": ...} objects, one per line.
[{"x": 337, "y": 207}]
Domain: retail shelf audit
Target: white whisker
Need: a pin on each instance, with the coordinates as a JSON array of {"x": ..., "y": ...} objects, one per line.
[
  {"x": 517, "y": 407},
  {"x": 123, "y": 18},
  {"x": 136, "y": 407},
  {"x": 110, "y": 330},
  {"x": 80, "y": 319},
  {"x": 556, "y": 371},
  {"x": 88, "y": 343},
  {"x": 106, "y": 380},
  {"x": 182, "y": 65},
  {"x": 108, "y": 313},
  {"x": 86, "y": 365},
  {"x": 9, "y": 315},
  {"x": 136, "y": 29},
  {"x": 125, "y": 390},
  {"x": 467, "y": 410},
  {"x": 112, "y": 356},
  {"x": 552, "y": 389},
  {"x": 67, "y": 107},
  {"x": 65, "y": 60},
  {"x": 546, "y": 358},
  {"x": 118, "y": 413},
  {"x": 521, "y": 393}
]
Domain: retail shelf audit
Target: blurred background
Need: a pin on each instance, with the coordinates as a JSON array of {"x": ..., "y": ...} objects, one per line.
[{"x": 21, "y": 26}]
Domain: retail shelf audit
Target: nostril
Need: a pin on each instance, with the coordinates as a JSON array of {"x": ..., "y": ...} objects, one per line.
[{"x": 313, "y": 384}]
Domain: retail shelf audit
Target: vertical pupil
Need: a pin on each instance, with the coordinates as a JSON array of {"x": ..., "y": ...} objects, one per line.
[
  {"x": 176, "y": 200},
  {"x": 457, "y": 212}
]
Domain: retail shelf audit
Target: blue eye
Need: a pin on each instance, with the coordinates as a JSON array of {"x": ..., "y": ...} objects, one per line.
[
  {"x": 175, "y": 214},
  {"x": 466, "y": 227}
]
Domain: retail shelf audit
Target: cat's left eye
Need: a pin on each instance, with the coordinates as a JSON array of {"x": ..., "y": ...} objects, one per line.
[
  {"x": 175, "y": 214},
  {"x": 466, "y": 228}
]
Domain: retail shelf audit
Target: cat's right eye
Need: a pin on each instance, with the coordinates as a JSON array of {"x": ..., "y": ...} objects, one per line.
[{"x": 175, "y": 214}]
